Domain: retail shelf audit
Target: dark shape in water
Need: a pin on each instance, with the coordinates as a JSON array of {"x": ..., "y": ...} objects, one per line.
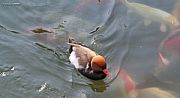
[
  {"x": 9, "y": 30},
  {"x": 92, "y": 32},
  {"x": 49, "y": 49},
  {"x": 41, "y": 30}
]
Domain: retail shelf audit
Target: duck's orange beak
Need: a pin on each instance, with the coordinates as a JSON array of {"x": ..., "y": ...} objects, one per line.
[{"x": 106, "y": 72}]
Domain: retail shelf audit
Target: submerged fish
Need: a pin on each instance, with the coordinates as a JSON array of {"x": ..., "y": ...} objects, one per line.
[
  {"x": 169, "y": 49},
  {"x": 129, "y": 84},
  {"x": 128, "y": 81},
  {"x": 152, "y": 14},
  {"x": 169, "y": 59},
  {"x": 154, "y": 92}
]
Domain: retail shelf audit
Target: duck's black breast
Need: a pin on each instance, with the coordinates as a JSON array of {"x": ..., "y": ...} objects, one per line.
[{"x": 92, "y": 75}]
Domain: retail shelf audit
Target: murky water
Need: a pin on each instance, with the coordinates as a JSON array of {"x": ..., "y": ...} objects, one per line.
[{"x": 36, "y": 65}]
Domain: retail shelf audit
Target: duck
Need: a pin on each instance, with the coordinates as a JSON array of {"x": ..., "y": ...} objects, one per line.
[{"x": 86, "y": 61}]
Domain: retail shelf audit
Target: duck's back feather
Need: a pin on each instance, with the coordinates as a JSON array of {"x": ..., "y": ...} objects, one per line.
[{"x": 80, "y": 51}]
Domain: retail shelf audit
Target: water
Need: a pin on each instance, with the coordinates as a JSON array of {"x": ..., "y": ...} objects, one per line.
[{"x": 36, "y": 65}]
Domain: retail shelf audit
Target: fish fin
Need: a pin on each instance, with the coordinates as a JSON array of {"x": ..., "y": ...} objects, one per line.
[
  {"x": 163, "y": 28},
  {"x": 173, "y": 20},
  {"x": 164, "y": 60},
  {"x": 147, "y": 22}
]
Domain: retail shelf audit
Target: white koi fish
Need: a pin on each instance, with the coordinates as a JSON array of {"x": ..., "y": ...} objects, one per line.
[
  {"x": 152, "y": 14},
  {"x": 154, "y": 92}
]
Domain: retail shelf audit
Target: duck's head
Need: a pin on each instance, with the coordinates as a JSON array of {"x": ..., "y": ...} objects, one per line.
[{"x": 98, "y": 63}]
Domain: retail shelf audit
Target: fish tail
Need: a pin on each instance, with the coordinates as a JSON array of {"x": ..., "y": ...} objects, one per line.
[
  {"x": 170, "y": 19},
  {"x": 163, "y": 60}
]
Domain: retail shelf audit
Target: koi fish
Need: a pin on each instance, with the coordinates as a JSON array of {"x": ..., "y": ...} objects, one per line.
[
  {"x": 152, "y": 14},
  {"x": 154, "y": 92},
  {"x": 171, "y": 47},
  {"x": 129, "y": 84},
  {"x": 128, "y": 81}
]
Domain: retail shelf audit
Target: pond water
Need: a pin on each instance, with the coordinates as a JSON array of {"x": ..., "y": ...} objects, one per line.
[{"x": 37, "y": 66}]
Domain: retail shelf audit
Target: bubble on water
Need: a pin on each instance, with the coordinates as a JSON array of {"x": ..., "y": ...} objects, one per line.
[
  {"x": 3, "y": 74},
  {"x": 42, "y": 87},
  {"x": 12, "y": 69}
]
